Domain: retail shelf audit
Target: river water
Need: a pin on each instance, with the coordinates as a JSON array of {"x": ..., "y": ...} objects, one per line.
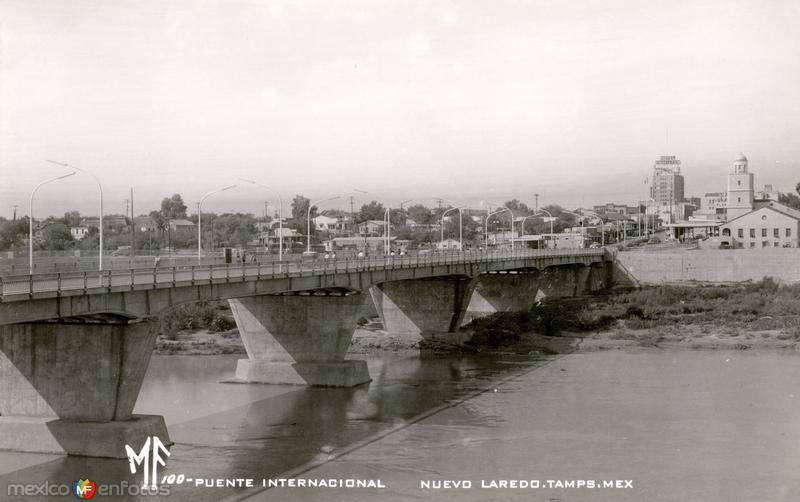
[{"x": 671, "y": 425}]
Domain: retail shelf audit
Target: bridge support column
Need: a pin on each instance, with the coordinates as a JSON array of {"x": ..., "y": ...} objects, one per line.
[
  {"x": 299, "y": 339},
  {"x": 422, "y": 306},
  {"x": 71, "y": 388},
  {"x": 503, "y": 293}
]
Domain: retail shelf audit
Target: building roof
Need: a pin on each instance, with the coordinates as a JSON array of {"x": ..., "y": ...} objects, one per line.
[
  {"x": 181, "y": 223},
  {"x": 786, "y": 211},
  {"x": 740, "y": 158}
]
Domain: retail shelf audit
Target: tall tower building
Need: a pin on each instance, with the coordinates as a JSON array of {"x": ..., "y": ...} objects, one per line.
[
  {"x": 667, "y": 187},
  {"x": 740, "y": 189}
]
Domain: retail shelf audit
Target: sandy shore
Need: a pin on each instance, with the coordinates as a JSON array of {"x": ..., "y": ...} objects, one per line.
[{"x": 371, "y": 339}]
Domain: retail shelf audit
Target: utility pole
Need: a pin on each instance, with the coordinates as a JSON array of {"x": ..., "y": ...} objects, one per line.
[
  {"x": 133, "y": 228},
  {"x": 536, "y": 204},
  {"x": 15, "y": 213},
  {"x": 352, "y": 215}
]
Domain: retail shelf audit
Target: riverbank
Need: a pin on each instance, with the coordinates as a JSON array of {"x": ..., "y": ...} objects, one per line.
[
  {"x": 737, "y": 317},
  {"x": 741, "y": 316}
]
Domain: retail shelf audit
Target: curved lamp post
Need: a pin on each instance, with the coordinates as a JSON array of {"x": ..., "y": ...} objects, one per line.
[
  {"x": 100, "y": 187},
  {"x": 308, "y": 227},
  {"x": 460, "y": 227},
  {"x": 522, "y": 230},
  {"x": 486, "y": 229},
  {"x": 30, "y": 217},
  {"x": 280, "y": 216},
  {"x": 387, "y": 217},
  {"x": 200, "y": 218}
]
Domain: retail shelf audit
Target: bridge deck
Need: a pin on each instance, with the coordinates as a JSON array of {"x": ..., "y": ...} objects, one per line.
[{"x": 25, "y": 287}]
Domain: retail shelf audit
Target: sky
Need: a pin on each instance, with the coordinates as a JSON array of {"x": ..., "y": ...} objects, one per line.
[{"x": 473, "y": 101}]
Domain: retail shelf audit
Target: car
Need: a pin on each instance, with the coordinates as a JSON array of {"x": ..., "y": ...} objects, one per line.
[
  {"x": 654, "y": 240},
  {"x": 594, "y": 245}
]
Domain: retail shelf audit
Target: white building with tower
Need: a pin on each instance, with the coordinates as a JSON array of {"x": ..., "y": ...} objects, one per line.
[{"x": 740, "y": 189}]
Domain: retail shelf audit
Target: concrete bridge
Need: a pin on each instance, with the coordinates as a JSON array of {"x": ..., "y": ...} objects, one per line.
[{"x": 74, "y": 347}]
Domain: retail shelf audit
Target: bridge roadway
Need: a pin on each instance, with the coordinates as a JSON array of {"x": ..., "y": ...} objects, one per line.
[{"x": 74, "y": 346}]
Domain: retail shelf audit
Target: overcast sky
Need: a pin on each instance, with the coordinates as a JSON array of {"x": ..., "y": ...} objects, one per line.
[{"x": 468, "y": 100}]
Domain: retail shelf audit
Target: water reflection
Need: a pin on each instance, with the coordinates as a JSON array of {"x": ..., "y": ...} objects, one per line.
[{"x": 259, "y": 431}]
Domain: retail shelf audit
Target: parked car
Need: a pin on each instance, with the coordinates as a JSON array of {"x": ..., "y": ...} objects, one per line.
[{"x": 654, "y": 240}]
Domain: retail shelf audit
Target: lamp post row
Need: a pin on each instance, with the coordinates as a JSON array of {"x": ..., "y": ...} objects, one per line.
[{"x": 387, "y": 216}]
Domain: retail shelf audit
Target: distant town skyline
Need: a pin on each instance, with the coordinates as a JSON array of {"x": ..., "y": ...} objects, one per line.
[{"x": 462, "y": 100}]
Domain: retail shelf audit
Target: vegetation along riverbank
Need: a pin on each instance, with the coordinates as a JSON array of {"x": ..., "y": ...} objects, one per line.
[{"x": 742, "y": 316}]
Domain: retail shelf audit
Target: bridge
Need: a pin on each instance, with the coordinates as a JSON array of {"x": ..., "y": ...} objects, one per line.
[{"x": 74, "y": 346}]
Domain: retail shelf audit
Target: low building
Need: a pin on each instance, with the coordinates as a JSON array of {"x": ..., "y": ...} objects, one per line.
[
  {"x": 330, "y": 224},
  {"x": 771, "y": 225},
  {"x": 371, "y": 227},
  {"x": 449, "y": 245},
  {"x": 355, "y": 244},
  {"x": 79, "y": 232},
  {"x": 145, "y": 224},
  {"x": 181, "y": 225}
]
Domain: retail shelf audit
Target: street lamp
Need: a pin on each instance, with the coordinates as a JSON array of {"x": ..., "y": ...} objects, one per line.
[
  {"x": 522, "y": 230},
  {"x": 460, "y": 227},
  {"x": 200, "y": 218},
  {"x": 30, "y": 218},
  {"x": 280, "y": 216},
  {"x": 486, "y": 229},
  {"x": 100, "y": 187},
  {"x": 387, "y": 217},
  {"x": 308, "y": 226}
]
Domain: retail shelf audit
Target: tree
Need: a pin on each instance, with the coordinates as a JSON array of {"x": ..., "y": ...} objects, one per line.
[
  {"x": 72, "y": 218},
  {"x": 173, "y": 207},
  {"x": 420, "y": 214},
  {"x": 300, "y": 207},
  {"x": 13, "y": 233},
  {"x": 797, "y": 188},
  {"x": 516, "y": 205},
  {"x": 55, "y": 237},
  {"x": 790, "y": 200},
  {"x": 372, "y": 211}
]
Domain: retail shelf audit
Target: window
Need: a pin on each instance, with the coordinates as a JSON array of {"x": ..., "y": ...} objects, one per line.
[
  {"x": 788, "y": 232},
  {"x": 774, "y": 244},
  {"x": 763, "y": 232},
  {"x": 741, "y": 233},
  {"x": 739, "y": 182},
  {"x": 739, "y": 199},
  {"x": 752, "y": 233},
  {"x": 752, "y": 244},
  {"x": 776, "y": 232}
]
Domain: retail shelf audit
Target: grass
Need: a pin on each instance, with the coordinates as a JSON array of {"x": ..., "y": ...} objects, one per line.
[
  {"x": 727, "y": 310},
  {"x": 194, "y": 316}
]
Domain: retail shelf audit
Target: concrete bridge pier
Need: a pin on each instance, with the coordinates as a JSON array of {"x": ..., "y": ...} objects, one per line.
[
  {"x": 423, "y": 306},
  {"x": 70, "y": 387},
  {"x": 300, "y": 338},
  {"x": 503, "y": 292}
]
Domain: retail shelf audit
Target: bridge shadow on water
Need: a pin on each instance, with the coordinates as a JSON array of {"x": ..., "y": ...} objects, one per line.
[{"x": 294, "y": 430}]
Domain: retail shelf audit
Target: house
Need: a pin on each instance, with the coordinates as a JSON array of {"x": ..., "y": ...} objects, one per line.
[
  {"x": 324, "y": 223},
  {"x": 289, "y": 236},
  {"x": 145, "y": 224},
  {"x": 371, "y": 227},
  {"x": 181, "y": 225},
  {"x": 79, "y": 232},
  {"x": 449, "y": 245},
  {"x": 769, "y": 225}
]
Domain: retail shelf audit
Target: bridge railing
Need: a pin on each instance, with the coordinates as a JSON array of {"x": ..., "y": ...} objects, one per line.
[{"x": 159, "y": 277}]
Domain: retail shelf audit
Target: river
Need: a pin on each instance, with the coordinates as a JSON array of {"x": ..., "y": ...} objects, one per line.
[{"x": 664, "y": 425}]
